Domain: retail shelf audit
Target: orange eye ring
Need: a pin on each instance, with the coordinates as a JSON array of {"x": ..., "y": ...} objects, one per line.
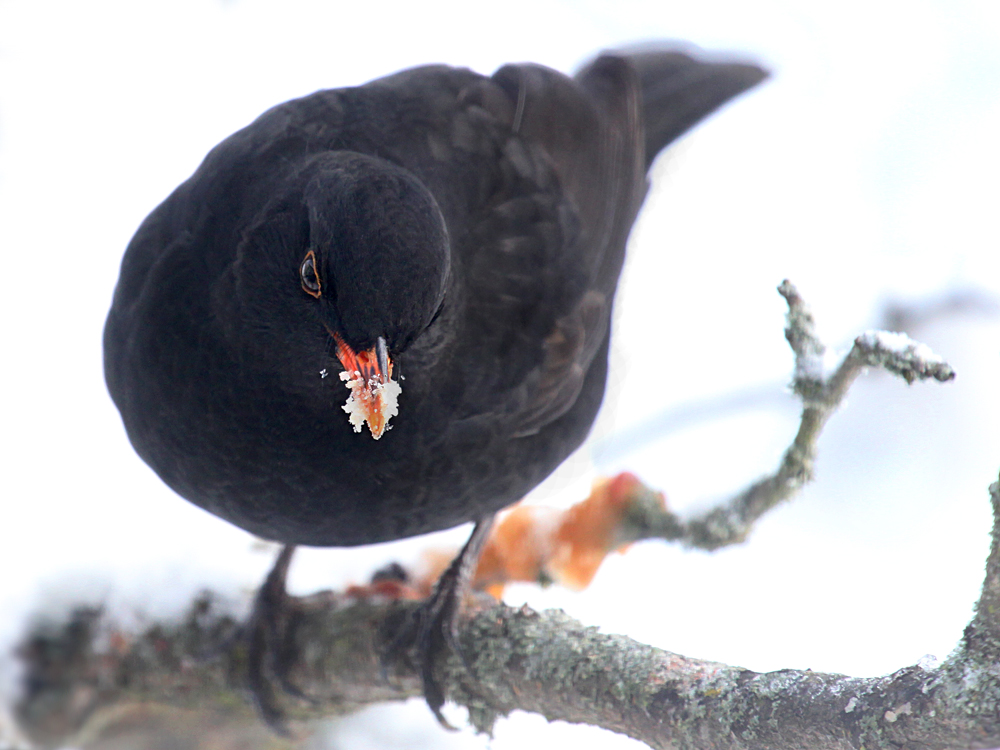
[{"x": 309, "y": 276}]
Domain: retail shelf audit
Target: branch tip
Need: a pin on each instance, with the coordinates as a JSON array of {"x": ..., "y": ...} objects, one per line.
[{"x": 901, "y": 355}]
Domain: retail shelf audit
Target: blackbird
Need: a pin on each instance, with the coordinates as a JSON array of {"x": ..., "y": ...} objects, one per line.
[{"x": 384, "y": 310}]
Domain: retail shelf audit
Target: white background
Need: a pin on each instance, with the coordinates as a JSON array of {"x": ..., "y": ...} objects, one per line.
[{"x": 865, "y": 171}]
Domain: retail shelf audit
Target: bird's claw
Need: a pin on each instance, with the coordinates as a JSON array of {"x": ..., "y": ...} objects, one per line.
[
  {"x": 432, "y": 629},
  {"x": 268, "y": 655}
]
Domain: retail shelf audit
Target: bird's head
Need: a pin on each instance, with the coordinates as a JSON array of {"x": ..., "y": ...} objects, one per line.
[{"x": 359, "y": 249}]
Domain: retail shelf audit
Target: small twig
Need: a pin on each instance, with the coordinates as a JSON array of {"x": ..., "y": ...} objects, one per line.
[
  {"x": 821, "y": 395},
  {"x": 901, "y": 355},
  {"x": 800, "y": 332},
  {"x": 982, "y": 637}
]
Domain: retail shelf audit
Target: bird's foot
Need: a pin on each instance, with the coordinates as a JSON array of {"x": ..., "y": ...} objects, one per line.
[
  {"x": 432, "y": 629},
  {"x": 269, "y": 653}
]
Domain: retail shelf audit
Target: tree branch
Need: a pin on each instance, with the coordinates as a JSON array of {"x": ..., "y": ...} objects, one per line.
[
  {"x": 80, "y": 673},
  {"x": 731, "y": 522},
  {"x": 982, "y": 636},
  {"x": 86, "y": 675}
]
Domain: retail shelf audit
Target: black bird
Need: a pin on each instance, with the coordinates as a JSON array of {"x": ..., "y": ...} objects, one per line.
[{"x": 435, "y": 253}]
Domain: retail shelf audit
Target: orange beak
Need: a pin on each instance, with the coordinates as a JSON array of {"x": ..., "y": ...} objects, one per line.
[{"x": 374, "y": 393}]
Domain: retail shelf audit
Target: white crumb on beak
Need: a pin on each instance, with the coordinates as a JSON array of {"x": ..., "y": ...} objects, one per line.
[
  {"x": 390, "y": 400},
  {"x": 351, "y": 379},
  {"x": 354, "y": 408},
  {"x": 374, "y": 394}
]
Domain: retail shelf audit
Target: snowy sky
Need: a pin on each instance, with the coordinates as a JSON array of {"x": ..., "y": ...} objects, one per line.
[{"x": 865, "y": 171}]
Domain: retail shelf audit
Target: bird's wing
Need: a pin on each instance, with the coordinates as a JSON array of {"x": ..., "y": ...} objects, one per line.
[
  {"x": 543, "y": 255},
  {"x": 597, "y": 133}
]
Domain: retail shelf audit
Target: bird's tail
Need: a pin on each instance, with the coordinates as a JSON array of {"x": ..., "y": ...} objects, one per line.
[{"x": 680, "y": 89}]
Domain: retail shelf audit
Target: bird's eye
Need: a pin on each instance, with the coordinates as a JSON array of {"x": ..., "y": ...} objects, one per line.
[{"x": 309, "y": 276}]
